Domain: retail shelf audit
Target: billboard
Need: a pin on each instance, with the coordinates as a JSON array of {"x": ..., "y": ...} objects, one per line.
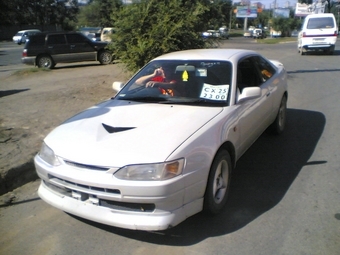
[
  {"x": 246, "y": 12},
  {"x": 303, "y": 10},
  {"x": 282, "y": 12}
]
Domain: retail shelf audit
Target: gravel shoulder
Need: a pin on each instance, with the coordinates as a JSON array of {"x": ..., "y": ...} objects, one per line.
[{"x": 33, "y": 103}]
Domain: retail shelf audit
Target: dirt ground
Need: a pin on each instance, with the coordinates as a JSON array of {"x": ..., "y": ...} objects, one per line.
[{"x": 33, "y": 103}]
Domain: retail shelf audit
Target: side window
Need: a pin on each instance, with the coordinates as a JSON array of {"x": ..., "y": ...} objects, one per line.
[
  {"x": 75, "y": 38},
  {"x": 265, "y": 68},
  {"x": 38, "y": 39},
  {"x": 247, "y": 74},
  {"x": 56, "y": 39}
]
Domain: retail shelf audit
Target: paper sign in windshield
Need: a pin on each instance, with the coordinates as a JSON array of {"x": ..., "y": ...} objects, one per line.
[{"x": 215, "y": 92}]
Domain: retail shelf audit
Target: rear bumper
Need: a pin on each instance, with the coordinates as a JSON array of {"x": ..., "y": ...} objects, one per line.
[
  {"x": 28, "y": 60},
  {"x": 315, "y": 47},
  {"x": 317, "y": 43}
]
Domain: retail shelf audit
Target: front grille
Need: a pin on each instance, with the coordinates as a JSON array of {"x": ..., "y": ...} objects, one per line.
[
  {"x": 82, "y": 187},
  {"x": 86, "y": 197},
  {"x": 134, "y": 207}
]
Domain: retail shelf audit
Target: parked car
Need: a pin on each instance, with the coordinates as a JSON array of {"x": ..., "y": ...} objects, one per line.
[
  {"x": 211, "y": 34},
  {"x": 224, "y": 32},
  {"x": 24, "y": 35},
  {"x": 275, "y": 34},
  {"x": 258, "y": 33},
  {"x": 48, "y": 49},
  {"x": 164, "y": 147},
  {"x": 106, "y": 34},
  {"x": 93, "y": 33},
  {"x": 294, "y": 33},
  {"x": 319, "y": 33},
  {"x": 94, "y": 36},
  {"x": 248, "y": 34}
]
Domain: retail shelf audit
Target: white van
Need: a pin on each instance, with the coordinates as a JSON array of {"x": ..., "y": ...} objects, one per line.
[
  {"x": 23, "y": 35},
  {"x": 319, "y": 32},
  {"x": 106, "y": 34}
]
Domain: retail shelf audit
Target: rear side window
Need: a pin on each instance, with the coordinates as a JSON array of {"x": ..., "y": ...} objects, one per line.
[
  {"x": 324, "y": 22},
  {"x": 76, "y": 38},
  {"x": 56, "y": 39},
  {"x": 38, "y": 39}
]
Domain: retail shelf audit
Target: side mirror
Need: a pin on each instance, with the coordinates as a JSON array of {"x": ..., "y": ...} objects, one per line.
[
  {"x": 117, "y": 86},
  {"x": 249, "y": 93}
]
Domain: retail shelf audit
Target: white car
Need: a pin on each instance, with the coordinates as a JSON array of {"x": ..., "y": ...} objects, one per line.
[
  {"x": 23, "y": 35},
  {"x": 163, "y": 148}
]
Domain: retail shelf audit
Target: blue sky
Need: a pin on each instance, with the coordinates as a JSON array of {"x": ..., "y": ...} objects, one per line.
[{"x": 280, "y": 3}]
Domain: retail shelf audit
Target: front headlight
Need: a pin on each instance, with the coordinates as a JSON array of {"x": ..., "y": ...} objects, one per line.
[
  {"x": 151, "y": 172},
  {"x": 47, "y": 154}
]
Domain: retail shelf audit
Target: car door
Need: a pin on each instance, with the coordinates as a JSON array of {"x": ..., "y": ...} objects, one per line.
[
  {"x": 81, "y": 49},
  {"x": 57, "y": 47},
  {"x": 254, "y": 114}
]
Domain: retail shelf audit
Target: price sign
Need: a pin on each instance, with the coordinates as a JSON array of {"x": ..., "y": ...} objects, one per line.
[{"x": 215, "y": 92}]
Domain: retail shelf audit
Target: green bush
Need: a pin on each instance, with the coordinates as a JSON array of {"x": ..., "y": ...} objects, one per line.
[{"x": 151, "y": 28}]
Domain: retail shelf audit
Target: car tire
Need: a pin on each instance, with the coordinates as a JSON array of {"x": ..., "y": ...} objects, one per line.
[
  {"x": 105, "y": 57},
  {"x": 216, "y": 193},
  {"x": 45, "y": 61},
  {"x": 278, "y": 126}
]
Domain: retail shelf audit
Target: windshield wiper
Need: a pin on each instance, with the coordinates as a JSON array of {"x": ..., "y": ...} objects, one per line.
[
  {"x": 200, "y": 101},
  {"x": 144, "y": 98}
]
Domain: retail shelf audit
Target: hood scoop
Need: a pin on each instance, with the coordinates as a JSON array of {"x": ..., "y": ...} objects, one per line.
[{"x": 115, "y": 129}]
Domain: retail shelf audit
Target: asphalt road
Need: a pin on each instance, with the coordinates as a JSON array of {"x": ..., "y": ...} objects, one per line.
[{"x": 284, "y": 197}]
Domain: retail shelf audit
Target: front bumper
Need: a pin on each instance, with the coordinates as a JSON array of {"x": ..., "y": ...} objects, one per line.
[{"x": 99, "y": 197}]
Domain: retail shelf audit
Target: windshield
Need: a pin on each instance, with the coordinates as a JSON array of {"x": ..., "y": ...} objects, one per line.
[{"x": 198, "y": 82}]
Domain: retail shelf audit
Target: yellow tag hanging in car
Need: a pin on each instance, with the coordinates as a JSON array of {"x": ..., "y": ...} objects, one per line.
[{"x": 185, "y": 76}]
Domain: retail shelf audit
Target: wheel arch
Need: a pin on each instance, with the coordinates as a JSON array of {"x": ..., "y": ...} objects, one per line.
[{"x": 228, "y": 146}]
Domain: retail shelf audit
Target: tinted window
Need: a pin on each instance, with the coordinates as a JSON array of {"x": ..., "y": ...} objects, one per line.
[
  {"x": 38, "y": 39},
  {"x": 324, "y": 22},
  {"x": 248, "y": 74},
  {"x": 56, "y": 39},
  {"x": 265, "y": 68},
  {"x": 76, "y": 38}
]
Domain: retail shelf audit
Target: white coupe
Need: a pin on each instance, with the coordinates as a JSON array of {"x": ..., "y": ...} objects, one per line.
[{"x": 164, "y": 147}]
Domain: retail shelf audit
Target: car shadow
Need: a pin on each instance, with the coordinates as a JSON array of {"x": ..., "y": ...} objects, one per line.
[
  {"x": 62, "y": 66},
  {"x": 77, "y": 65},
  {"x": 318, "y": 53},
  {"x": 4, "y": 93},
  {"x": 263, "y": 176}
]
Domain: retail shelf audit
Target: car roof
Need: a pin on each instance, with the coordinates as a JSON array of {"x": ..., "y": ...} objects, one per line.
[
  {"x": 320, "y": 15},
  {"x": 27, "y": 30},
  {"x": 208, "y": 54}
]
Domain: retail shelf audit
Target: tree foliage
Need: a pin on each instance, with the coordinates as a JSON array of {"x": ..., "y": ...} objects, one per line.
[
  {"x": 151, "y": 28},
  {"x": 99, "y": 13},
  {"x": 38, "y": 12}
]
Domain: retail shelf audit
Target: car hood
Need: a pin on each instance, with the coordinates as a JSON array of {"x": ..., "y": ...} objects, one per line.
[{"x": 115, "y": 133}]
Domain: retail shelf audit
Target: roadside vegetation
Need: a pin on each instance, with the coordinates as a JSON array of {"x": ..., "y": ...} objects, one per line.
[
  {"x": 148, "y": 28},
  {"x": 28, "y": 71}
]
